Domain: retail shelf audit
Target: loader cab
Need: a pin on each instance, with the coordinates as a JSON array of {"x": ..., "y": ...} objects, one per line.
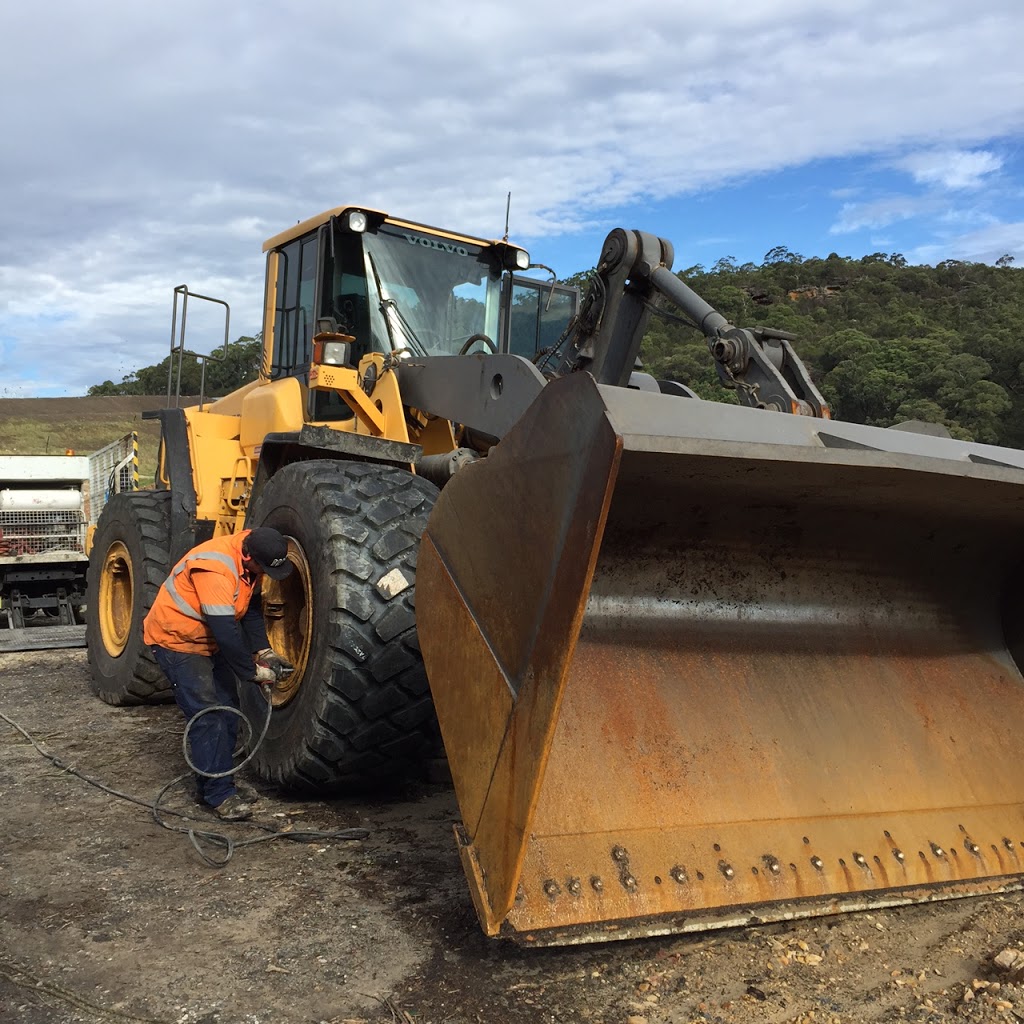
[{"x": 400, "y": 288}]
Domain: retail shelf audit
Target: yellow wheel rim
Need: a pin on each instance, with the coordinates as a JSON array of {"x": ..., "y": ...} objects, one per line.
[
  {"x": 288, "y": 615},
  {"x": 116, "y": 599}
]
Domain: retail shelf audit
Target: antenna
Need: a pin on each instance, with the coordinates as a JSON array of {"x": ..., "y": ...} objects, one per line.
[{"x": 508, "y": 210}]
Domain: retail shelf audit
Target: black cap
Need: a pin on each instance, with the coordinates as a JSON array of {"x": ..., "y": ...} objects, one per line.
[{"x": 269, "y": 550}]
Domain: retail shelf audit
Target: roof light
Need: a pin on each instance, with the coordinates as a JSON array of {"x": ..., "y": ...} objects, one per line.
[{"x": 356, "y": 221}]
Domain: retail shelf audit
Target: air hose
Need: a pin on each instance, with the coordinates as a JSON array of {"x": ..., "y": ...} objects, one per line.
[
  {"x": 265, "y": 690},
  {"x": 197, "y": 836},
  {"x": 218, "y": 839}
]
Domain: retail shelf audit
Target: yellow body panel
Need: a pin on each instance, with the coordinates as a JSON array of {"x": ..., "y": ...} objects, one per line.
[
  {"x": 225, "y": 438},
  {"x": 231, "y": 405},
  {"x": 216, "y": 456},
  {"x": 273, "y": 407},
  {"x": 435, "y": 436}
]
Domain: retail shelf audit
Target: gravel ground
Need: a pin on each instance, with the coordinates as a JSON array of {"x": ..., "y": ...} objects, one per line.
[{"x": 107, "y": 917}]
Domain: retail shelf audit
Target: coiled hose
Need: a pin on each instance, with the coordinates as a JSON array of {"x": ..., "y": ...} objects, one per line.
[{"x": 198, "y": 836}]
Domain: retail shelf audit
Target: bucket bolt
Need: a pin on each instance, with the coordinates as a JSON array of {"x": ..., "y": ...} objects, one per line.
[
  {"x": 972, "y": 847},
  {"x": 860, "y": 860},
  {"x": 679, "y": 875},
  {"x": 726, "y": 869},
  {"x": 937, "y": 850},
  {"x": 573, "y": 885},
  {"x": 621, "y": 857},
  {"x": 898, "y": 854},
  {"x": 817, "y": 863},
  {"x": 772, "y": 863},
  {"x": 596, "y": 884},
  {"x": 551, "y": 888},
  {"x": 1008, "y": 843}
]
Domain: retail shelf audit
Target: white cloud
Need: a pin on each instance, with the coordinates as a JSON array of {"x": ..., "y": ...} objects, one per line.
[
  {"x": 951, "y": 168},
  {"x": 878, "y": 213},
  {"x": 985, "y": 245},
  {"x": 163, "y": 153}
]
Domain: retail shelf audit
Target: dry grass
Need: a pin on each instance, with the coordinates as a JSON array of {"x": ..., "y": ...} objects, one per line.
[{"x": 52, "y": 426}]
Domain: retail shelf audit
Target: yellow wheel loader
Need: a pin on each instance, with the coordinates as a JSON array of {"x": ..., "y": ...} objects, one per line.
[{"x": 694, "y": 664}]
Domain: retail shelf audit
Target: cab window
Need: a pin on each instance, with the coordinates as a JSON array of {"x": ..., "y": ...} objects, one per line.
[{"x": 294, "y": 317}]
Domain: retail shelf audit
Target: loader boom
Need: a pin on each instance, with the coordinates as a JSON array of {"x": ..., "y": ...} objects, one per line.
[{"x": 632, "y": 276}]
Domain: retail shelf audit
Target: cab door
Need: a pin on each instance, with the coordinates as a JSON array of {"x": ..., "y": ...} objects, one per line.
[{"x": 534, "y": 314}]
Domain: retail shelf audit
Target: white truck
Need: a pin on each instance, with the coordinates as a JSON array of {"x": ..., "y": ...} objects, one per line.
[{"x": 48, "y": 507}]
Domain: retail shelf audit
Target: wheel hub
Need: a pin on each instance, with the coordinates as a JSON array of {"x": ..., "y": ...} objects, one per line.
[
  {"x": 116, "y": 599},
  {"x": 287, "y": 613}
]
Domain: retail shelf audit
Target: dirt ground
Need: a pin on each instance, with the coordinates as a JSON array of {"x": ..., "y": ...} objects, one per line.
[{"x": 106, "y": 917}]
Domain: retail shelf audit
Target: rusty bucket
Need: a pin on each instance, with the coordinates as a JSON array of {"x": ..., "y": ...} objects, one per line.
[{"x": 697, "y": 666}]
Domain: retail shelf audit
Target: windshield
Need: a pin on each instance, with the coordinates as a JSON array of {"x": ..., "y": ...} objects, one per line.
[{"x": 429, "y": 294}]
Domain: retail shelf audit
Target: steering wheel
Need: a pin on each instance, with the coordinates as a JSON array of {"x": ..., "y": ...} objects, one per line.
[{"x": 473, "y": 339}]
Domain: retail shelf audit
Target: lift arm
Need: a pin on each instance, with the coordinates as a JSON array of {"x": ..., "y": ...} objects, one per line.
[{"x": 632, "y": 277}]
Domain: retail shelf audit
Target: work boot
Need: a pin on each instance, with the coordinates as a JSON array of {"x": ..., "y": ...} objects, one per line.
[{"x": 233, "y": 809}]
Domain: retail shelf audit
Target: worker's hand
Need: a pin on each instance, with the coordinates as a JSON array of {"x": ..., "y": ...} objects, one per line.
[
  {"x": 264, "y": 675},
  {"x": 281, "y": 667}
]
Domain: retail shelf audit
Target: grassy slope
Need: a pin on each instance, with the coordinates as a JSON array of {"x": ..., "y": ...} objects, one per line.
[{"x": 50, "y": 426}]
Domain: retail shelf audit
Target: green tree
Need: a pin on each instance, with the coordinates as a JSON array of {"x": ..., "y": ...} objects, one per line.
[{"x": 240, "y": 364}]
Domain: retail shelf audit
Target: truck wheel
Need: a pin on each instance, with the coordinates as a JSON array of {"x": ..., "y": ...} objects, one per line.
[
  {"x": 128, "y": 562},
  {"x": 357, "y": 709}
]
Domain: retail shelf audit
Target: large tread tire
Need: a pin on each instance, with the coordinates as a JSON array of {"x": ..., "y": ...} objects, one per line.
[
  {"x": 361, "y": 713},
  {"x": 135, "y": 526}
]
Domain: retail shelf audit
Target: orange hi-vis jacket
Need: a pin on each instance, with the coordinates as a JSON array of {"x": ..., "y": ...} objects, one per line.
[{"x": 209, "y": 580}]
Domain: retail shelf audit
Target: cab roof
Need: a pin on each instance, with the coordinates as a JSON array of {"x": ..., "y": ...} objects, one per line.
[{"x": 312, "y": 223}]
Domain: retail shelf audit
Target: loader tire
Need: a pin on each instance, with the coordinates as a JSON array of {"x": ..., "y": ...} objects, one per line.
[
  {"x": 128, "y": 563},
  {"x": 357, "y": 711}
]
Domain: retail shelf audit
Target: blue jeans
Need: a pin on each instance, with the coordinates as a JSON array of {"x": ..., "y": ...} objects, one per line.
[{"x": 202, "y": 682}]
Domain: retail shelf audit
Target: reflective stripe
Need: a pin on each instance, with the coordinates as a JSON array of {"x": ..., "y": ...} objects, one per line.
[
  {"x": 183, "y": 606},
  {"x": 189, "y": 562},
  {"x": 218, "y": 609},
  {"x": 216, "y": 556}
]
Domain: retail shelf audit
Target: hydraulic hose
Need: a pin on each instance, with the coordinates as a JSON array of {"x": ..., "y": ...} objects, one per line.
[{"x": 265, "y": 690}]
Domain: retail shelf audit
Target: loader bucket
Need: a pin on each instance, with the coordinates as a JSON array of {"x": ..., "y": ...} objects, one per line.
[{"x": 698, "y": 665}]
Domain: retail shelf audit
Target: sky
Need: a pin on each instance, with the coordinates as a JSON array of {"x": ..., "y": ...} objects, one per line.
[{"x": 144, "y": 146}]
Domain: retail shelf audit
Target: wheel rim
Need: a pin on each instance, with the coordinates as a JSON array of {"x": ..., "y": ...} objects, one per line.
[
  {"x": 116, "y": 599},
  {"x": 287, "y": 613}
]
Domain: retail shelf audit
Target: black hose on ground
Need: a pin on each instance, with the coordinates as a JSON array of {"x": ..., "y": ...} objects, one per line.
[{"x": 196, "y": 835}]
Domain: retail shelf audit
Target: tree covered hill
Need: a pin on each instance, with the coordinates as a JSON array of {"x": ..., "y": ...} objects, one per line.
[
  {"x": 240, "y": 365},
  {"x": 885, "y": 341}
]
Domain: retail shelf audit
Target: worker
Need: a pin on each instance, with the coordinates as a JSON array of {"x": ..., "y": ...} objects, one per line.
[{"x": 207, "y": 634}]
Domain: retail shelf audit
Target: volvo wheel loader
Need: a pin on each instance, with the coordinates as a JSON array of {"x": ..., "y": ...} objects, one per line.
[{"x": 693, "y": 664}]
